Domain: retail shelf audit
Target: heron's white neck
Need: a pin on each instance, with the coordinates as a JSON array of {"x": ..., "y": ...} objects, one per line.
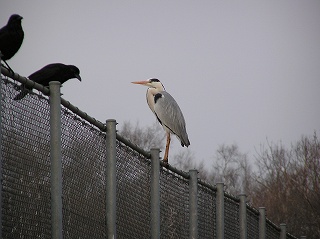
[{"x": 151, "y": 92}]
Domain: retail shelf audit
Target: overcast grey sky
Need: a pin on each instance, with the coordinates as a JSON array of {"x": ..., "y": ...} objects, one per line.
[{"x": 241, "y": 71}]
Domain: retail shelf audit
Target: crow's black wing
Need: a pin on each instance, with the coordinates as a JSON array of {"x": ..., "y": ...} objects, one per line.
[
  {"x": 51, "y": 72},
  {"x": 11, "y": 37},
  {"x": 43, "y": 76}
]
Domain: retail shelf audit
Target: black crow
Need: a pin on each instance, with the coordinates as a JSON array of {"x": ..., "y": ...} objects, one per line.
[
  {"x": 52, "y": 72},
  {"x": 11, "y": 37}
]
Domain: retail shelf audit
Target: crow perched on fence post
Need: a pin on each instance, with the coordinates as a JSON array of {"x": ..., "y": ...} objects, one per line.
[
  {"x": 11, "y": 38},
  {"x": 52, "y": 72}
]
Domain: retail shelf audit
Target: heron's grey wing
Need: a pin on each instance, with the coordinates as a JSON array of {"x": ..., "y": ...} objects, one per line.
[{"x": 169, "y": 113}]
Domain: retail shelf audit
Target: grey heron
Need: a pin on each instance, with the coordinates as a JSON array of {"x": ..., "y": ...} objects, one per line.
[{"x": 167, "y": 111}]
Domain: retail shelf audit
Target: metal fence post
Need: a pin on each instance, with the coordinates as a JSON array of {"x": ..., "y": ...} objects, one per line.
[
  {"x": 111, "y": 179},
  {"x": 155, "y": 194},
  {"x": 262, "y": 223},
  {"x": 220, "y": 211},
  {"x": 243, "y": 216},
  {"x": 283, "y": 232},
  {"x": 193, "y": 204},
  {"x": 55, "y": 158}
]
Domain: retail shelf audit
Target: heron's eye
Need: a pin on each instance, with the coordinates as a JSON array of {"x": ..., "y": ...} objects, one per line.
[{"x": 154, "y": 80}]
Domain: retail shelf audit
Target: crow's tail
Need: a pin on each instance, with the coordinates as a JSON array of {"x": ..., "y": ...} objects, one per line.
[{"x": 22, "y": 94}]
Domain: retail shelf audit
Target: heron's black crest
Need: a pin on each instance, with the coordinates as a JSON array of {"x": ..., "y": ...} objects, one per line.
[
  {"x": 156, "y": 80},
  {"x": 157, "y": 97}
]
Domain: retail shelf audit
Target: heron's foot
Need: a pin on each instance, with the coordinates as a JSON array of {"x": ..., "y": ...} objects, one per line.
[{"x": 165, "y": 163}]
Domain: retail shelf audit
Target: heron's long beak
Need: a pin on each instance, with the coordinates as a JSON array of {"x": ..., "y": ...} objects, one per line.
[{"x": 144, "y": 82}]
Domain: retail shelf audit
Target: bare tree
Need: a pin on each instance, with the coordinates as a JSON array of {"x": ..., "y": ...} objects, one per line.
[
  {"x": 232, "y": 167},
  {"x": 145, "y": 137},
  {"x": 288, "y": 185},
  {"x": 185, "y": 160}
]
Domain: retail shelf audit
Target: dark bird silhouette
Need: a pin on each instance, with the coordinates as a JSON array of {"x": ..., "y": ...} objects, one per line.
[
  {"x": 52, "y": 72},
  {"x": 11, "y": 38}
]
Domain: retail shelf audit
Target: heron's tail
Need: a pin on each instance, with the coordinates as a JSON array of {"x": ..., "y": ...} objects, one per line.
[{"x": 185, "y": 140}]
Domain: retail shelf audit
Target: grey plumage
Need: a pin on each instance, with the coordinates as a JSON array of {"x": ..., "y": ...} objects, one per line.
[{"x": 170, "y": 116}]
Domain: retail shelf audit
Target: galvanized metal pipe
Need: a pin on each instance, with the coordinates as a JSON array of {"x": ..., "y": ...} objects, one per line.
[
  {"x": 193, "y": 204},
  {"x": 56, "y": 163},
  {"x": 243, "y": 216},
  {"x": 155, "y": 193},
  {"x": 262, "y": 223},
  {"x": 283, "y": 231},
  {"x": 111, "y": 183},
  {"x": 220, "y": 211}
]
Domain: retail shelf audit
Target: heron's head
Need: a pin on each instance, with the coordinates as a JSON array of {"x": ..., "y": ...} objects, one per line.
[{"x": 151, "y": 83}]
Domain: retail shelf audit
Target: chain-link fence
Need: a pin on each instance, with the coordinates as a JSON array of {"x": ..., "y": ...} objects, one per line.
[{"x": 25, "y": 174}]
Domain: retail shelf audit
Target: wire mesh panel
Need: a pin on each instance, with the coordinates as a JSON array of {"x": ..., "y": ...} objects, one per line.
[
  {"x": 133, "y": 193},
  {"x": 231, "y": 215},
  {"x": 25, "y": 165},
  {"x": 206, "y": 212},
  {"x": 174, "y": 205},
  {"x": 83, "y": 174},
  {"x": 252, "y": 223},
  {"x": 272, "y": 231}
]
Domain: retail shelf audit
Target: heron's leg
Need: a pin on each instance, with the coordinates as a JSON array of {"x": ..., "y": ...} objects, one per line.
[{"x": 166, "y": 153}]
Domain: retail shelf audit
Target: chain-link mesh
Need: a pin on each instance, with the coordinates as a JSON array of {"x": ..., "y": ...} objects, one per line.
[
  {"x": 231, "y": 222},
  {"x": 252, "y": 223},
  {"x": 206, "y": 211},
  {"x": 26, "y": 170},
  {"x": 25, "y": 150},
  {"x": 273, "y": 232},
  {"x": 25, "y": 165},
  {"x": 133, "y": 194},
  {"x": 174, "y": 204},
  {"x": 83, "y": 177}
]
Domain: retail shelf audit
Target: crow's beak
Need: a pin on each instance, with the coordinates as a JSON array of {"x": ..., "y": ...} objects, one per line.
[{"x": 78, "y": 77}]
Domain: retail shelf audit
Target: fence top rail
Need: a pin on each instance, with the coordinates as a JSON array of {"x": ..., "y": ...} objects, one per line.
[
  {"x": 252, "y": 209},
  {"x": 273, "y": 225},
  {"x": 74, "y": 109},
  {"x": 24, "y": 80}
]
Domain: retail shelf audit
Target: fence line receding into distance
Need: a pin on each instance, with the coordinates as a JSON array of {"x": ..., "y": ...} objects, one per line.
[{"x": 108, "y": 187}]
